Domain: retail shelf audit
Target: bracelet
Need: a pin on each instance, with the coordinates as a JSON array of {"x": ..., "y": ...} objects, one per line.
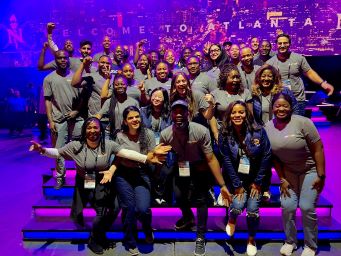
[{"x": 324, "y": 81}]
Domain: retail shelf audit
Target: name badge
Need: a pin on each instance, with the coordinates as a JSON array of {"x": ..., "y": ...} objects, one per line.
[
  {"x": 90, "y": 181},
  {"x": 244, "y": 165},
  {"x": 287, "y": 84},
  {"x": 184, "y": 169},
  {"x": 157, "y": 139}
]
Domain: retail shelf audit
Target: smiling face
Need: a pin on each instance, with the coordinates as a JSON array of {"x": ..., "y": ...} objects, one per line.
[
  {"x": 157, "y": 98},
  {"x": 246, "y": 56},
  {"x": 68, "y": 46},
  {"x": 265, "y": 48},
  {"x": 93, "y": 131},
  {"x": 254, "y": 44},
  {"x": 143, "y": 62},
  {"x": 233, "y": 81},
  {"x": 186, "y": 53},
  {"x": 120, "y": 86},
  {"x": 281, "y": 108},
  {"x": 106, "y": 43},
  {"x": 85, "y": 50},
  {"x": 128, "y": 71},
  {"x": 193, "y": 65},
  {"x": 104, "y": 64},
  {"x": 267, "y": 79},
  {"x": 133, "y": 121},
  {"x": 234, "y": 51},
  {"x": 283, "y": 45},
  {"x": 181, "y": 85},
  {"x": 62, "y": 60},
  {"x": 169, "y": 57},
  {"x": 161, "y": 71},
  {"x": 215, "y": 52},
  {"x": 180, "y": 116},
  {"x": 238, "y": 115}
]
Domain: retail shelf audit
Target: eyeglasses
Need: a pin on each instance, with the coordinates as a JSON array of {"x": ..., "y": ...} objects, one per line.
[{"x": 215, "y": 50}]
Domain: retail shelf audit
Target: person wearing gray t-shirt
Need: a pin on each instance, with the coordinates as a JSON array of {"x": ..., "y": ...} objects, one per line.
[
  {"x": 199, "y": 80},
  {"x": 63, "y": 104},
  {"x": 246, "y": 68},
  {"x": 300, "y": 164},
  {"x": 194, "y": 165},
  {"x": 93, "y": 83},
  {"x": 292, "y": 66}
]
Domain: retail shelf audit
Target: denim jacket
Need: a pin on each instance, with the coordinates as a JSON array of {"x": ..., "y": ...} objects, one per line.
[
  {"x": 147, "y": 121},
  {"x": 259, "y": 153},
  {"x": 257, "y": 105}
]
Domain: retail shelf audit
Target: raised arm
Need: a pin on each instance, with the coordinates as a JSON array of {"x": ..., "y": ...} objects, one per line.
[
  {"x": 315, "y": 78},
  {"x": 78, "y": 76}
]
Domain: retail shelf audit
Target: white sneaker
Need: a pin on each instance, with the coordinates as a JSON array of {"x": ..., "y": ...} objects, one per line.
[
  {"x": 308, "y": 251},
  {"x": 287, "y": 249},
  {"x": 251, "y": 250},
  {"x": 230, "y": 228}
]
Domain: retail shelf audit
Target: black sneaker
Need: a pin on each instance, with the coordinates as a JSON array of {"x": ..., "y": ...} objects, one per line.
[
  {"x": 149, "y": 236},
  {"x": 95, "y": 247},
  {"x": 60, "y": 183},
  {"x": 184, "y": 224},
  {"x": 200, "y": 247}
]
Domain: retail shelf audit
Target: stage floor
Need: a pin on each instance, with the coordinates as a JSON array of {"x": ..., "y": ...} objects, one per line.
[{"x": 21, "y": 174}]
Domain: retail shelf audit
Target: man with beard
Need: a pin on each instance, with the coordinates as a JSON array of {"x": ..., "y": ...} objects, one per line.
[
  {"x": 199, "y": 80},
  {"x": 246, "y": 68},
  {"x": 265, "y": 53},
  {"x": 93, "y": 83},
  {"x": 118, "y": 60},
  {"x": 291, "y": 66},
  {"x": 254, "y": 46},
  {"x": 62, "y": 108},
  {"x": 106, "y": 43},
  {"x": 85, "y": 48},
  {"x": 195, "y": 164}
]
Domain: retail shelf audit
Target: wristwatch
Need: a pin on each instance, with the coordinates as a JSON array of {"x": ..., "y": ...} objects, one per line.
[{"x": 322, "y": 177}]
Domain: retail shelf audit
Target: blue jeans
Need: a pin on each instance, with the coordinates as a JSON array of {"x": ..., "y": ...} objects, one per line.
[
  {"x": 133, "y": 188},
  {"x": 300, "y": 108},
  {"x": 68, "y": 130},
  {"x": 302, "y": 195},
  {"x": 252, "y": 211}
]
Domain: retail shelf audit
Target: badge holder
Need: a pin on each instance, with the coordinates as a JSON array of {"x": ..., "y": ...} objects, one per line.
[
  {"x": 90, "y": 181},
  {"x": 184, "y": 170},
  {"x": 244, "y": 165},
  {"x": 287, "y": 84}
]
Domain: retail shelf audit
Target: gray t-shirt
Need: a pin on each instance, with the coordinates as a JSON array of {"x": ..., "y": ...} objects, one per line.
[
  {"x": 223, "y": 100},
  {"x": 247, "y": 78},
  {"x": 290, "y": 145},
  {"x": 94, "y": 83},
  {"x": 190, "y": 145},
  {"x": 266, "y": 107},
  {"x": 64, "y": 97},
  {"x": 120, "y": 107},
  {"x": 88, "y": 159},
  {"x": 200, "y": 104},
  {"x": 204, "y": 83},
  {"x": 138, "y": 76},
  {"x": 123, "y": 140},
  {"x": 133, "y": 91},
  {"x": 214, "y": 73},
  {"x": 291, "y": 71},
  {"x": 153, "y": 83}
]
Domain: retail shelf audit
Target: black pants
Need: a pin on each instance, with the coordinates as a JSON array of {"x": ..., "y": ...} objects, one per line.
[
  {"x": 193, "y": 191},
  {"x": 102, "y": 199}
]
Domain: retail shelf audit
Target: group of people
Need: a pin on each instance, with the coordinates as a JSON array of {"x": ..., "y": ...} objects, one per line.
[{"x": 215, "y": 117}]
